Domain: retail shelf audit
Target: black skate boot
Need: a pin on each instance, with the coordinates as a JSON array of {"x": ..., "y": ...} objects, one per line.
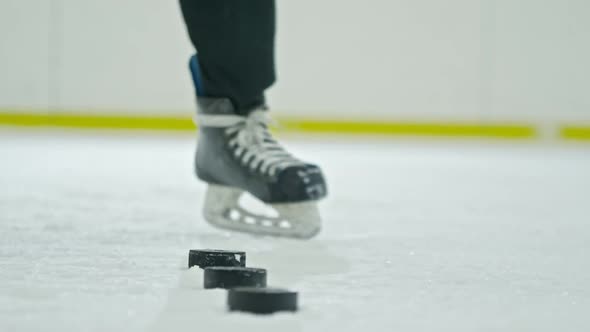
[{"x": 237, "y": 154}]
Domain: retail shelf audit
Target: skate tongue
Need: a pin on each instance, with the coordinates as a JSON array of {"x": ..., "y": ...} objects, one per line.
[
  {"x": 230, "y": 120},
  {"x": 252, "y": 133},
  {"x": 219, "y": 121}
]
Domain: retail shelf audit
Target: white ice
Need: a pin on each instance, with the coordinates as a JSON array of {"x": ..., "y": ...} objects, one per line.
[{"x": 95, "y": 230}]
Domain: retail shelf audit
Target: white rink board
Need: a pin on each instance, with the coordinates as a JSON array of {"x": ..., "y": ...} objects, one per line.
[
  {"x": 383, "y": 59},
  {"x": 95, "y": 231}
]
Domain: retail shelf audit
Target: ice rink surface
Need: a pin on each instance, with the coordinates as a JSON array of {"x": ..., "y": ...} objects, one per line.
[{"x": 419, "y": 236}]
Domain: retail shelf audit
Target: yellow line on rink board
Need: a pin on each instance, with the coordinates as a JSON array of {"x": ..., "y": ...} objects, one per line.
[
  {"x": 575, "y": 133},
  {"x": 306, "y": 125},
  {"x": 448, "y": 129},
  {"x": 97, "y": 121}
]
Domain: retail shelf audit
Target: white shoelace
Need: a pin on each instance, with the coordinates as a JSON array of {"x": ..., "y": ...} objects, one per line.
[{"x": 251, "y": 143}]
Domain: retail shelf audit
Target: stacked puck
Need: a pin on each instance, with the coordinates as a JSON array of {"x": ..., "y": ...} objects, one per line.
[{"x": 247, "y": 289}]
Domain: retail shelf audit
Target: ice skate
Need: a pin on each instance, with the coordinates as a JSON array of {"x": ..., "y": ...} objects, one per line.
[{"x": 236, "y": 155}]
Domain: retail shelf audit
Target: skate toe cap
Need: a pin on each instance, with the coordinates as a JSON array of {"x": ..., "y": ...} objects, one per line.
[{"x": 301, "y": 183}]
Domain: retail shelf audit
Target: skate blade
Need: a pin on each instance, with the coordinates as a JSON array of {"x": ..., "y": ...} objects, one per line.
[{"x": 295, "y": 220}]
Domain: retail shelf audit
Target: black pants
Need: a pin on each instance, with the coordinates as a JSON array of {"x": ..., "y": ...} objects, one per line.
[{"x": 234, "y": 40}]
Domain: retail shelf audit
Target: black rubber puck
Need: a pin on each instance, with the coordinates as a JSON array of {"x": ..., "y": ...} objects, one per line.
[
  {"x": 261, "y": 300},
  {"x": 230, "y": 277},
  {"x": 208, "y": 257}
]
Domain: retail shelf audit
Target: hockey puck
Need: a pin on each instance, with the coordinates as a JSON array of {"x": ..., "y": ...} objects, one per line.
[
  {"x": 206, "y": 258},
  {"x": 230, "y": 277},
  {"x": 261, "y": 300}
]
